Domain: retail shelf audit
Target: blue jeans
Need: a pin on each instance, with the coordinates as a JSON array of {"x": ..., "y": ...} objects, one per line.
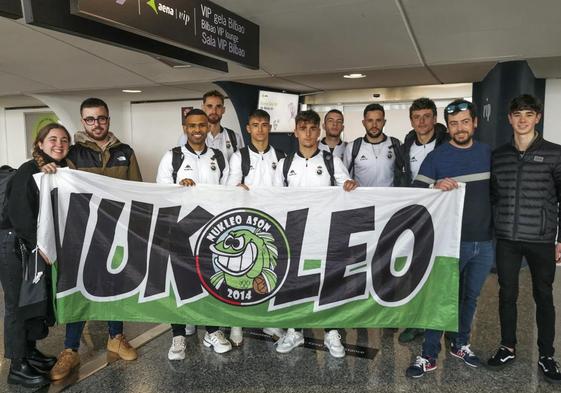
[
  {"x": 74, "y": 332},
  {"x": 476, "y": 260}
]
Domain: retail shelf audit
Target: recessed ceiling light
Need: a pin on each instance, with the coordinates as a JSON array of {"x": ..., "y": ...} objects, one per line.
[
  {"x": 354, "y": 76},
  {"x": 182, "y": 66},
  {"x": 131, "y": 91}
]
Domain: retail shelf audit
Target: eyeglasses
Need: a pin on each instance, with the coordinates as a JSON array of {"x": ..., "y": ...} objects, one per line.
[
  {"x": 452, "y": 108},
  {"x": 90, "y": 120}
]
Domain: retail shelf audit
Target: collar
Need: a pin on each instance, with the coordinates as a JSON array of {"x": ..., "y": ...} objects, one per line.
[
  {"x": 313, "y": 155},
  {"x": 382, "y": 141},
  {"x": 323, "y": 141},
  {"x": 190, "y": 149},
  {"x": 429, "y": 141},
  {"x": 254, "y": 149}
]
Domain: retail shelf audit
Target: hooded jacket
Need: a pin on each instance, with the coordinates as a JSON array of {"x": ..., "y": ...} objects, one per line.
[{"x": 115, "y": 159}]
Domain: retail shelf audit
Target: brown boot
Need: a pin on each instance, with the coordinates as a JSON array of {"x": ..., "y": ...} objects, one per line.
[
  {"x": 121, "y": 347},
  {"x": 66, "y": 362}
]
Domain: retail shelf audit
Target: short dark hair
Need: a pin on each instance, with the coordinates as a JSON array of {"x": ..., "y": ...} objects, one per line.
[
  {"x": 308, "y": 116},
  {"x": 333, "y": 111},
  {"x": 422, "y": 103},
  {"x": 373, "y": 107},
  {"x": 259, "y": 114},
  {"x": 452, "y": 108},
  {"x": 93, "y": 102},
  {"x": 195, "y": 112},
  {"x": 213, "y": 93},
  {"x": 525, "y": 102}
]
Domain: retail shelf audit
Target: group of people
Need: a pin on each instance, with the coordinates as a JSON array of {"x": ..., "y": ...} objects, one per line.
[{"x": 512, "y": 195}]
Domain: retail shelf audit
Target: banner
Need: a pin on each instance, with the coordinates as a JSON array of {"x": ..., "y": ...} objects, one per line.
[{"x": 268, "y": 257}]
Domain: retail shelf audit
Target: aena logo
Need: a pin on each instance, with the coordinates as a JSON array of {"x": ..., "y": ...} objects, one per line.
[{"x": 152, "y": 4}]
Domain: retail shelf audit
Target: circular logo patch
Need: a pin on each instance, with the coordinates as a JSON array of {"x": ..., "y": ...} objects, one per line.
[{"x": 242, "y": 257}]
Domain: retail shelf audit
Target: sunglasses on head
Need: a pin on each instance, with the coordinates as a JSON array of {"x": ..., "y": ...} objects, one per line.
[{"x": 453, "y": 108}]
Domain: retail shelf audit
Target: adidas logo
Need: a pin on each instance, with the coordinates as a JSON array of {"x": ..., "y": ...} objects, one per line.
[
  {"x": 363, "y": 158},
  {"x": 187, "y": 167},
  {"x": 292, "y": 173}
]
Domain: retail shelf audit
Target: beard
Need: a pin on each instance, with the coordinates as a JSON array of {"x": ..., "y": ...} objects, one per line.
[
  {"x": 214, "y": 119},
  {"x": 462, "y": 142},
  {"x": 374, "y": 132}
]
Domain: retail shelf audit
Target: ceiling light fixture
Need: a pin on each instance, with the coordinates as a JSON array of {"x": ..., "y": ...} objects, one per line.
[
  {"x": 354, "y": 76},
  {"x": 182, "y": 66},
  {"x": 131, "y": 91}
]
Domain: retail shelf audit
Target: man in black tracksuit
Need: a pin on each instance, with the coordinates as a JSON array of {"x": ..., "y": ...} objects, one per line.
[{"x": 526, "y": 190}]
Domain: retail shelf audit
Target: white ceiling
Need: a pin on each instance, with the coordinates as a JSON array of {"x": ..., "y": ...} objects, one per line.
[{"x": 307, "y": 46}]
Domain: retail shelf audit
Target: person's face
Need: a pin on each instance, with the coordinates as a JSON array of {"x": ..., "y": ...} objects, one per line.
[
  {"x": 96, "y": 122},
  {"x": 524, "y": 122},
  {"x": 461, "y": 127},
  {"x": 374, "y": 123},
  {"x": 307, "y": 134},
  {"x": 55, "y": 144},
  {"x": 258, "y": 128},
  {"x": 423, "y": 121},
  {"x": 196, "y": 128},
  {"x": 333, "y": 125},
  {"x": 214, "y": 109}
]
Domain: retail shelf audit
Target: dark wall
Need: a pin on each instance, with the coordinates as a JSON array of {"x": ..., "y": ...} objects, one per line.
[
  {"x": 244, "y": 99},
  {"x": 493, "y": 94}
]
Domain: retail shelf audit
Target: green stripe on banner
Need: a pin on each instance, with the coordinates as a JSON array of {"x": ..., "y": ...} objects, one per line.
[
  {"x": 312, "y": 264},
  {"x": 117, "y": 257},
  {"x": 434, "y": 307}
]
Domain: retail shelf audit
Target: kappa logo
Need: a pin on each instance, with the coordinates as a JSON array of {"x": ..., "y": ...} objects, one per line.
[{"x": 242, "y": 257}]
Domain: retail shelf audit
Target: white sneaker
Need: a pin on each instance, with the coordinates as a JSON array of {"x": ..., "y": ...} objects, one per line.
[
  {"x": 274, "y": 332},
  {"x": 236, "y": 336},
  {"x": 289, "y": 341},
  {"x": 177, "y": 349},
  {"x": 190, "y": 330},
  {"x": 332, "y": 341},
  {"x": 217, "y": 341}
]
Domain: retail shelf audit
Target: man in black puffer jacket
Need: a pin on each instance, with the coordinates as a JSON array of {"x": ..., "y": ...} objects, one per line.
[{"x": 526, "y": 190}]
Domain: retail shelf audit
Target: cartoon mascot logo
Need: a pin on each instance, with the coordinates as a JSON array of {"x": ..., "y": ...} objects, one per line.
[{"x": 242, "y": 257}]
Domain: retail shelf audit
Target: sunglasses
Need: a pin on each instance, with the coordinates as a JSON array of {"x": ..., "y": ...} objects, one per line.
[{"x": 453, "y": 108}]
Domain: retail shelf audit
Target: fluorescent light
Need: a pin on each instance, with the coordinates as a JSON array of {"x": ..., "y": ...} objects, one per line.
[
  {"x": 182, "y": 66},
  {"x": 354, "y": 76},
  {"x": 131, "y": 91}
]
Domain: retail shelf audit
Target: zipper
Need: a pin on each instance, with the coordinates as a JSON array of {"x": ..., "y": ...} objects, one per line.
[{"x": 517, "y": 195}]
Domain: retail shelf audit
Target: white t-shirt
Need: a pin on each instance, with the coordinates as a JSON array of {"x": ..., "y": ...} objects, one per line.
[
  {"x": 338, "y": 151},
  {"x": 221, "y": 142},
  {"x": 311, "y": 172},
  {"x": 261, "y": 169},
  {"x": 374, "y": 163},
  {"x": 201, "y": 167},
  {"x": 417, "y": 153}
]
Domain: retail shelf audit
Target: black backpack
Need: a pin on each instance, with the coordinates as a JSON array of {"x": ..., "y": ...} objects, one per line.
[
  {"x": 327, "y": 158},
  {"x": 233, "y": 140},
  {"x": 178, "y": 156},
  {"x": 6, "y": 174},
  {"x": 246, "y": 160}
]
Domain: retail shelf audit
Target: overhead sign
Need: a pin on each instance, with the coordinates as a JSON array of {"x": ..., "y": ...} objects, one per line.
[{"x": 198, "y": 24}]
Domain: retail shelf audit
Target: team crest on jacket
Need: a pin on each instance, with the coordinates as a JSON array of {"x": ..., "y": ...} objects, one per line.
[
  {"x": 242, "y": 257},
  {"x": 228, "y": 145},
  {"x": 319, "y": 171},
  {"x": 274, "y": 165}
]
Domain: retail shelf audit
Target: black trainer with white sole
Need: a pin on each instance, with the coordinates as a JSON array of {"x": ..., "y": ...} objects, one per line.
[
  {"x": 550, "y": 369},
  {"x": 503, "y": 357}
]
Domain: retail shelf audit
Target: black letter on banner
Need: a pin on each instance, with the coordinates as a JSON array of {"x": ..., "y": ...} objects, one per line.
[
  {"x": 171, "y": 240},
  {"x": 69, "y": 252},
  {"x": 295, "y": 287},
  {"x": 388, "y": 287},
  {"x": 336, "y": 286},
  {"x": 98, "y": 281}
]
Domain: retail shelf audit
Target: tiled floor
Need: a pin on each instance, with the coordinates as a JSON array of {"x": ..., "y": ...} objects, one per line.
[{"x": 256, "y": 367}]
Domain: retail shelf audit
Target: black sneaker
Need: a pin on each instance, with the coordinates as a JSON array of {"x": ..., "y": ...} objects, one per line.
[
  {"x": 503, "y": 357},
  {"x": 550, "y": 369}
]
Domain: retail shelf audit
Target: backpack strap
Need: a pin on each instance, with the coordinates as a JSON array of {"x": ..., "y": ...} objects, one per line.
[
  {"x": 176, "y": 161},
  {"x": 286, "y": 167},
  {"x": 280, "y": 154},
  {"x": 246, "y": 162},
  {"x": 356, "y": 148},
  {"x": 220, "y": 160},
  {"x": 328, "y": 160},
  {"x": 233, "y": 140}
]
